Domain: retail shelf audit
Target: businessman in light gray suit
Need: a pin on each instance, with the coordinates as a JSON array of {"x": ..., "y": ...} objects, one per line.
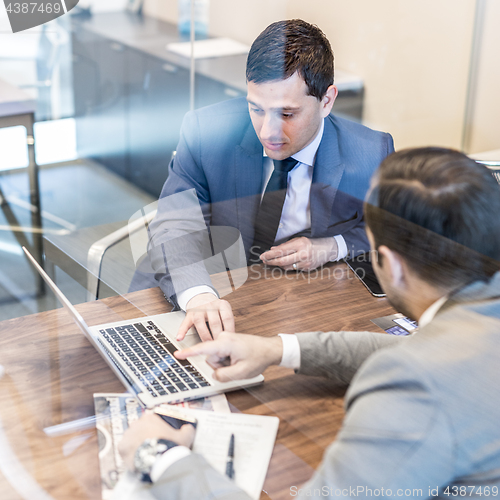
[
  {"x": 279, "y": 151},
  {"x": 421, "y": 412}
]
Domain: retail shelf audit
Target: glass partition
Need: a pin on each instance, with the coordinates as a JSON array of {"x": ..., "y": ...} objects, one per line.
[{"x": 134, "y": 79}]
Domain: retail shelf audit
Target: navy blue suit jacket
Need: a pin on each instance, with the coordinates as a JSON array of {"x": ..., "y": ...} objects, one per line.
[{"x": 220, "y": 156}]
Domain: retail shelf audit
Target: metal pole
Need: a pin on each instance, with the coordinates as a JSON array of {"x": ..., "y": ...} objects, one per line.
[
  {"x": 192, "y": 67},
  {"x": 470, "y": 101}
]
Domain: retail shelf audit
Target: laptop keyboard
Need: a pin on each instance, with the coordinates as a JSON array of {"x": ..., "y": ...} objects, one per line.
[{"x": 149, "y": 355}]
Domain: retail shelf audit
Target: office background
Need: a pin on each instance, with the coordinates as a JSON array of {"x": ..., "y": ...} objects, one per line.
[
  {"x": 414, "y": 58},
  {"x": 424, "y": 71}
]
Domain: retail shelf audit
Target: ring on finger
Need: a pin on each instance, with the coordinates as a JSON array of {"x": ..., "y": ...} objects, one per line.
[{"x": 294, "y": 265}]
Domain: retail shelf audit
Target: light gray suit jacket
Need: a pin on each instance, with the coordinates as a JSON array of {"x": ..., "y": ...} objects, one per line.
[{"x": 422, "y": 412}]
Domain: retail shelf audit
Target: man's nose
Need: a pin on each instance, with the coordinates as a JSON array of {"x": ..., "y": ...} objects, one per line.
[{"x": 271, "y": 128}]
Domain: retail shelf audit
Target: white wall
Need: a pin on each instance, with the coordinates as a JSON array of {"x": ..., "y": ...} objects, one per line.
[
  {"x": 237, "y": 19},
  {"x": 243, "y": 20},
  {"x": 162, "y": 9},
  {"x": 413, "y": 57}
]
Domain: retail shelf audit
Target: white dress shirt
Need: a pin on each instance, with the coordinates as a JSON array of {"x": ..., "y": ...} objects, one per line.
[
  {"x": 166, "y": 460},
  {"x": 428, "y": 315},
  {"x": 296, "y": 213}
]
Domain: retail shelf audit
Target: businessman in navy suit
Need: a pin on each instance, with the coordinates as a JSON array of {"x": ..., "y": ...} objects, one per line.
[{"x": 234, "y": 157}]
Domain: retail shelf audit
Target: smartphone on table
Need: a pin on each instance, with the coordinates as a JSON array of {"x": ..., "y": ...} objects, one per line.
[{"x": 362, "y": 268}]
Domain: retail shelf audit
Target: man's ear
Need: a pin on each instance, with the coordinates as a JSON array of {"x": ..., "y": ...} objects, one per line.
[
  {"x": 393, "y": 265},
  {"x": 328, "y": 100}
]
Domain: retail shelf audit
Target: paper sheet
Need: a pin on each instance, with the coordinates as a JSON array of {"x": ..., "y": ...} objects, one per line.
[
  {"x": 254, "y": 443},
  {"x": 213, "y": 47}
]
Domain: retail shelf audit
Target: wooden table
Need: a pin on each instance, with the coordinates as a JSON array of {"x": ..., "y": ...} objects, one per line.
[{"x": 52, "y": 372}]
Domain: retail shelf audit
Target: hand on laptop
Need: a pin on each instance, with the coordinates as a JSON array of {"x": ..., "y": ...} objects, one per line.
[
  {"x": 236, "y": 356},
  {"x": 151, "y": 426},
  {"x": 305, "y": 253},
  {"x": 207, "y": 308}
]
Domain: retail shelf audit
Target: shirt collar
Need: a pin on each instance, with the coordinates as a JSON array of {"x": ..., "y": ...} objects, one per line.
[
  {"x": 308, "y": 154},
  {"x": 431, "y": 311}
]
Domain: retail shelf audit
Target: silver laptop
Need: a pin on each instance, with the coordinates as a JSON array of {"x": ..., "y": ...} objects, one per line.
[{"x": 140, "y": 352}]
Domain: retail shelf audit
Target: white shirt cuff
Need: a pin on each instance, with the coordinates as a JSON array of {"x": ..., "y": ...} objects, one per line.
[
  {"x": 184, "y": 297},
  {"x": 342, "y": 247},
  {"x": 167, "y": 459},
  {"x": 291, "y": 351}
]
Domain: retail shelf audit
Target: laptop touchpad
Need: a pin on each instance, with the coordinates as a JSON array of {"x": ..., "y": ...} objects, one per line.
[{"x": 192, "y": 338}]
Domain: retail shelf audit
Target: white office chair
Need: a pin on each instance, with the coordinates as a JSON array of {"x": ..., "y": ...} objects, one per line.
[
  {"x": 95, "y": 256},
  {"x": 136, "y": 230}
]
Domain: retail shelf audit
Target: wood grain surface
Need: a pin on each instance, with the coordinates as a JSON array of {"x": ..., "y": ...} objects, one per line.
[{"x": 52, "y": 372}]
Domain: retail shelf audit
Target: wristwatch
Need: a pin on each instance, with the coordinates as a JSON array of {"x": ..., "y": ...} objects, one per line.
[{"x": 147, "y": 454}]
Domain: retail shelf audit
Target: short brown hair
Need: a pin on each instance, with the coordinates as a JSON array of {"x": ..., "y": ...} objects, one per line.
[
  {"x": 288, "y": 47},
  {"x": 439, "y": 210}
]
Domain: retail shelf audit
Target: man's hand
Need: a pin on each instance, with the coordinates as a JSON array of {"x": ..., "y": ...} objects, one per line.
[
  {"x": 305, "y": 253},
  {"x": 236, "y": 356},
  {"x": 207, "y": 308},
  {"x": 151, "y": 426}
]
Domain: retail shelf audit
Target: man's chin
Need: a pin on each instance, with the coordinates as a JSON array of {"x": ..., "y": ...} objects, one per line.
[
  {"x": 276, "y": 154},
  {"x": 400, "y": 306}
]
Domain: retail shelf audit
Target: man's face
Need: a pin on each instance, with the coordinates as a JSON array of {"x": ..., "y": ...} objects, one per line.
[{"x": 284, "y": 117}]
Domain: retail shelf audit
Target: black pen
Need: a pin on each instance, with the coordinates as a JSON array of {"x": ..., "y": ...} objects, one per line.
[{"x": 230, "y": 459}]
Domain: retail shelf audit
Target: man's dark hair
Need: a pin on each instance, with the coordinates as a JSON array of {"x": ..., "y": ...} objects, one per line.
[
  {"x": 291, "y": 46},
  {"x": 440, "y": 211}
]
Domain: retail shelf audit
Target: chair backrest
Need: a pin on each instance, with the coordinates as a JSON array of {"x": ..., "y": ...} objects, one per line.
[
  {"x": 136, "y": 230},
  {"x": 132, "y": 242},
  {"x": 494, "y": 166}
]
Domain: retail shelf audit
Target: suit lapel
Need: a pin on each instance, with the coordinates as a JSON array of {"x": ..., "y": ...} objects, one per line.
[
  {"x": 248, "y": 162},
  {"x": 327, "y": 174}
]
